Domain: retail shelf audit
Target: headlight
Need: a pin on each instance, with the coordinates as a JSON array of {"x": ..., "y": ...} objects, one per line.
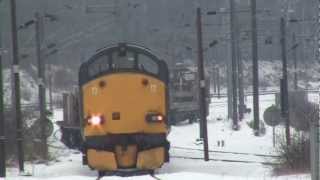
[
  {"x": 154, "y": 117},
  {"x": 95, "y": 120}
]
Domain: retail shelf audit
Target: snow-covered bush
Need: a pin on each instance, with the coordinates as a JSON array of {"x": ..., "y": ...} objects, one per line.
[
  {"x": 31, "y": 144},
  {"x": 296, "y": 156},
  {"x": 262, "y": 127},
  {"x": 303, "y": 114}
]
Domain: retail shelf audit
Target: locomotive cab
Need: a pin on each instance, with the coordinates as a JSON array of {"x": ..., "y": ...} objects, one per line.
[{"x": 124, "y": 90}]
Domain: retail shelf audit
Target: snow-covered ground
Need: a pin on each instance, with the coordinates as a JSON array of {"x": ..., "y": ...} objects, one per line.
[{"x": 183, "y": 141}]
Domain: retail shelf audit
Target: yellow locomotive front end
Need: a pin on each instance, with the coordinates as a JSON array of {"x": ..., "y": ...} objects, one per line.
[{"x": 124, "y": 109}]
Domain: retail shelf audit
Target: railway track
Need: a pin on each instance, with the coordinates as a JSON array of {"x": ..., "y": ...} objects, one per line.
[
  {"x": 263, "y": 93},
  {"x": 226, "y": 152},
  {"x": 225, "y": 156},
  {"x": 226, "y": 160}
]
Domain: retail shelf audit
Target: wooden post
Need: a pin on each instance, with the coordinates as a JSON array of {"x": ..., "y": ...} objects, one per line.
[
  {"x": 235, "y": 123},
  {"x": 41, "y": 84},
  {"x": 285, "y": 103},
  {"x": 202, "y": 88},
  {"x": 255, "y": 69},
  {"x": 16, "y": 84}
]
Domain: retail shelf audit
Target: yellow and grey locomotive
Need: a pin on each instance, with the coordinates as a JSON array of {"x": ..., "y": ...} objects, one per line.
[{"x": 124, "y": 109}]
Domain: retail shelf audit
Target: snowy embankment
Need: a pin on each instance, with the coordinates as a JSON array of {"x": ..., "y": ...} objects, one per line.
[
  {"x": 29, "y": 89},
  {"x": 270, "y": 75},
  {"x": 184, "y": 146}
]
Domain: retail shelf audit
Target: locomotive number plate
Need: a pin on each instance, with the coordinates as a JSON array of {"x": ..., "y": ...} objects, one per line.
[{"x": 94, "y": 91}]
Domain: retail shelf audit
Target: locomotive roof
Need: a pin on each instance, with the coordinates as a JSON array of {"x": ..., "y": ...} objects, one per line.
[
  {"x": 84, "y": 75},
  {"x": 143, "y": 48}
]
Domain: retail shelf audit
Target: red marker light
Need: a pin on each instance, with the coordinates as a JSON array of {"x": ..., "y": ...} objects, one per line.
[
  {"x": 145, "y": 82},
  {"x": 154, "y": 118}
]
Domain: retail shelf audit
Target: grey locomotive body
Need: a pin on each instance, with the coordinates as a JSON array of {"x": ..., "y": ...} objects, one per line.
[{"x": 184, "y": 98}]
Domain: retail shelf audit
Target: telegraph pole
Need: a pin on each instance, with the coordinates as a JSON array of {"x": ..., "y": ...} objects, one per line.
[
  {"x": 255, "y": 68},
  {"x": 200, "y": 59},
  {"x": 241, "y": 88},
  {"x": 214, "y": 77},
  {"x": 315, "y": 126},
  {"x": 2, "y": 121},
  {"x": 295, "y": 76},
  {"x": 202, "y": 88},
  {"x": 315, "y": 146},
  {"x": 235, "y": 124},
  {"x": 41, "y": 85},
  {"x": 284, "y": 94},
  {"x": 218, "y": 82},
  {"x": 50, "y": 88},
  {"x": 229, "y": 73},
  {"x": 240, "y": 71},
  {"x": 16, "y": 85}
]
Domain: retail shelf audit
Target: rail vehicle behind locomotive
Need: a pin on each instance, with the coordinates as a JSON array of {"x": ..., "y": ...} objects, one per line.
[
  {"x": 124, "y": 109},
  {"x": 184, "y": 100}
]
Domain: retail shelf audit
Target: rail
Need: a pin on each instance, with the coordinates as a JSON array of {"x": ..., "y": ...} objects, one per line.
[{"x": 260, "y": 93}]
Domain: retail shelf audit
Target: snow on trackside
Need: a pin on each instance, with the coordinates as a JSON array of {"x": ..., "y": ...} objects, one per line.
[
  {"x": 221, "y": 130},
  {"x": 183, "y": 143}
]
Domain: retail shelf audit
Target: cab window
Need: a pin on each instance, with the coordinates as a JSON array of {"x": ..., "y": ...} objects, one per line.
[
  {"x": 101, "y": 64},
  {"x": 145, "y": 63},
  {"x": 126, "y": 61}
]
